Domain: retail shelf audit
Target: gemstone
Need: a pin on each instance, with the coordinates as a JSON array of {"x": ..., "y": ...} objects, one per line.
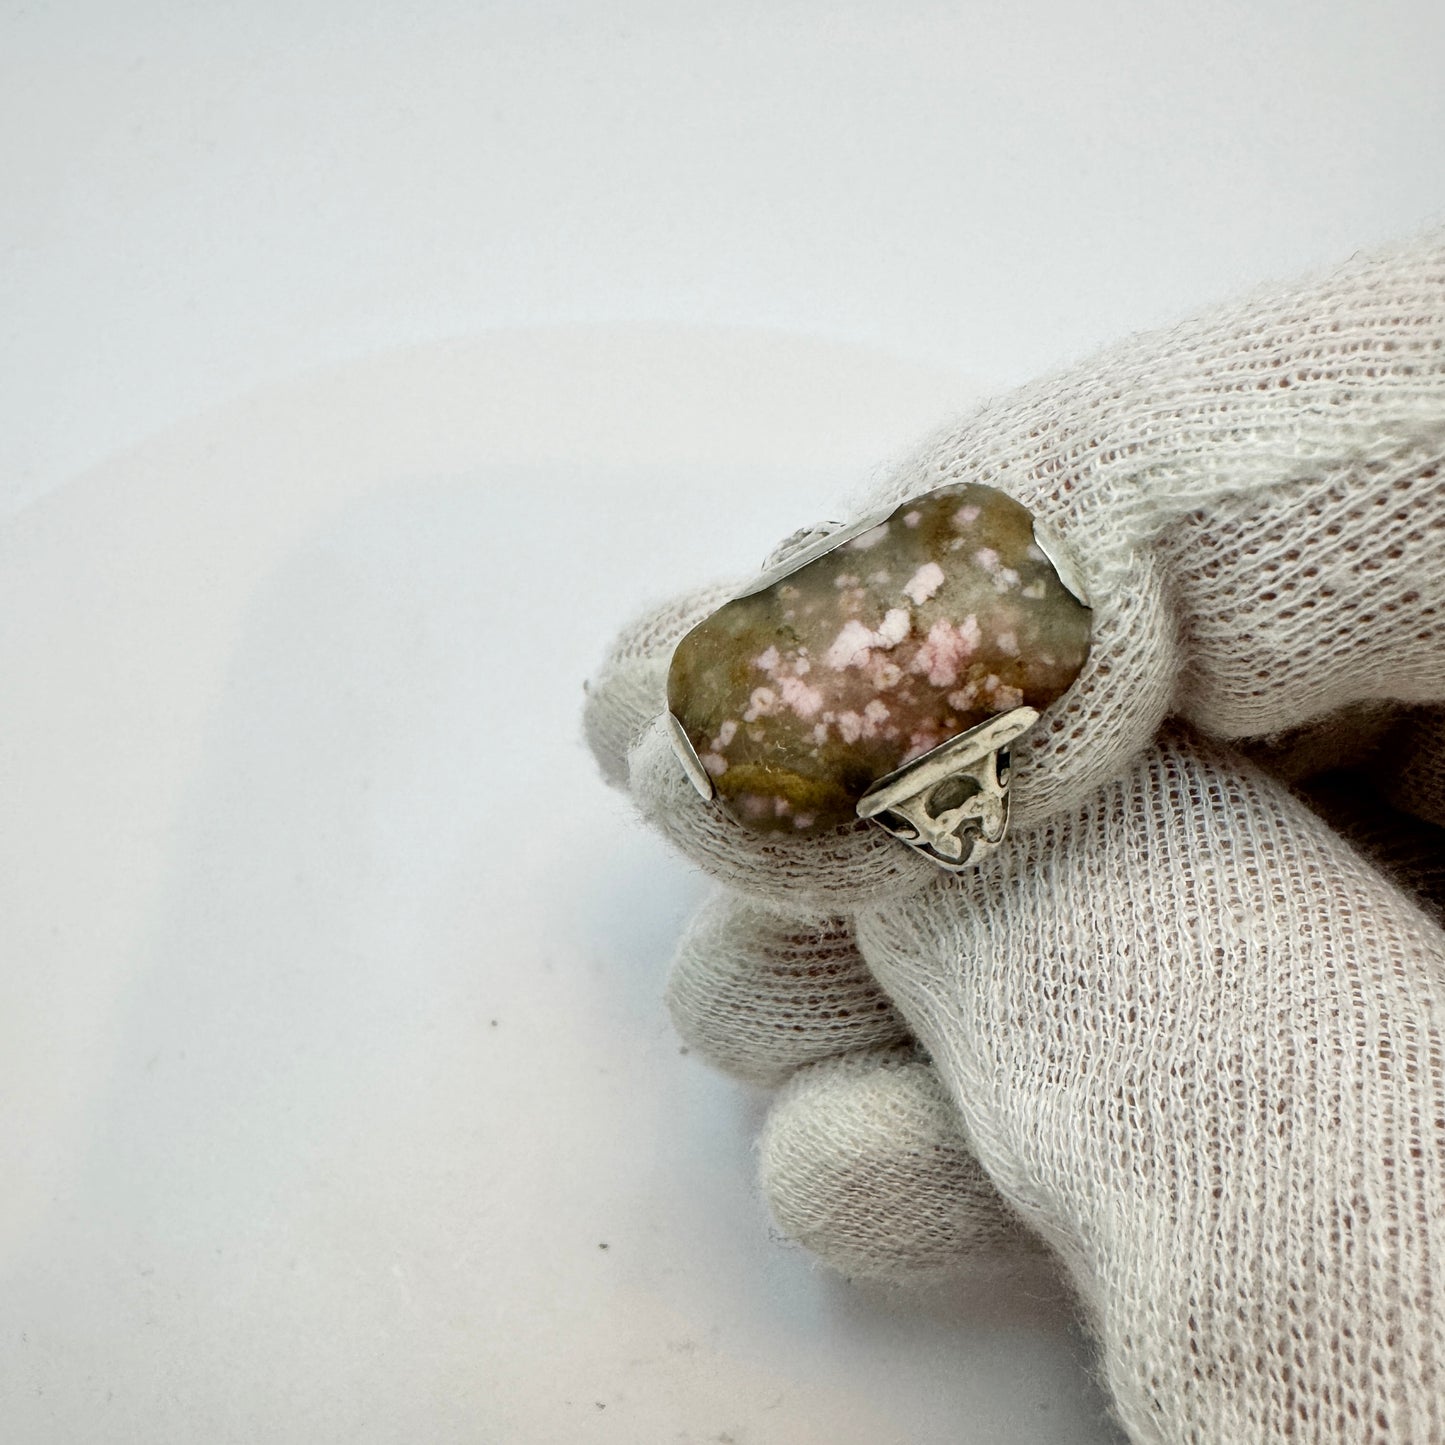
[{"x": 802, "y": 693}]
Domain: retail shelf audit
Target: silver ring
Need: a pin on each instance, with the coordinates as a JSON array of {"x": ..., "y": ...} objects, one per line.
[{"x": 882, "y": 673}]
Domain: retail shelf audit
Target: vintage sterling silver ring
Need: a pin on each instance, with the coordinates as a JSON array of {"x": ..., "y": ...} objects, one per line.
[{"x": 882, "y": 673}]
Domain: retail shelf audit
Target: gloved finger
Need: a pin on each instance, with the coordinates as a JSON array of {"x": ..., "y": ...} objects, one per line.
[
  {"x": 1198, "y": 1042},
  {"x": 1314, "y": 595},
  {"x": 759, "y": 994},
  {"x": 628, "y": 692},
  {"x": 1250, "y": 501},
  {"x": 863, "y": 1161}
]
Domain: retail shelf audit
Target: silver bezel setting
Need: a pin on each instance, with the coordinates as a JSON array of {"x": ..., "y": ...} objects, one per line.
[
  {"x": 697, "y": 775},
  {"x": 1052, "y": 545}
]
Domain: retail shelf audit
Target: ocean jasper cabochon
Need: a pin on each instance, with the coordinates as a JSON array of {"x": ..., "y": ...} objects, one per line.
[{"x": 797, "y": 697}]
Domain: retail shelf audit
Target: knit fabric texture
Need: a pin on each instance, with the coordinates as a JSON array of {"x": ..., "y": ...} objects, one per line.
[
  {"x": 1184, "y": 1030},
  {"x": 1198, "y": 1044}
]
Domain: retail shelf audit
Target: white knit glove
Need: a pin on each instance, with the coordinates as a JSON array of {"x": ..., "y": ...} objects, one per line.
[{"x": 1177, "y": 1030}]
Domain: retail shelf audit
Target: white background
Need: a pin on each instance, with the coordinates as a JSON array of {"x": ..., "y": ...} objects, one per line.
[{"x": 361, "y": 368}]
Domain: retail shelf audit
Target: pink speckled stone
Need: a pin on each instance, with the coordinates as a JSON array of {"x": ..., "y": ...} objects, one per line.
[{"x": 798, "y": 697}]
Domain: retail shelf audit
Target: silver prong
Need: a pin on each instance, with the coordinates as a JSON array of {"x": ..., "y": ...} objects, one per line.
[
  {"x": 697, "y": 775},
  {"x": 1052, "y": 545},
  {"x": 825, "y": 544},
  {"x": 800, "y": 544}
]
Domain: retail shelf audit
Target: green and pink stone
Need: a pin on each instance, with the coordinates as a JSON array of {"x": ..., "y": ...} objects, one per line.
[{"x": 801, "y": 694}]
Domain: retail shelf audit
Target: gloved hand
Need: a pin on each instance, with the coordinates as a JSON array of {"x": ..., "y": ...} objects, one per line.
[{"x": 1178, "y": 1030}]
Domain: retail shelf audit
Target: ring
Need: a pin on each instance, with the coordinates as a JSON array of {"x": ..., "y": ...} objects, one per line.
[{"x": 882, "y": 673}]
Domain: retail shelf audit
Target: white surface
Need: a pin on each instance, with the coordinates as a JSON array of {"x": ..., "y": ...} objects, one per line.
[
  {"x": 293, "y": 622},
  {"x": 199, "y": 198}
]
